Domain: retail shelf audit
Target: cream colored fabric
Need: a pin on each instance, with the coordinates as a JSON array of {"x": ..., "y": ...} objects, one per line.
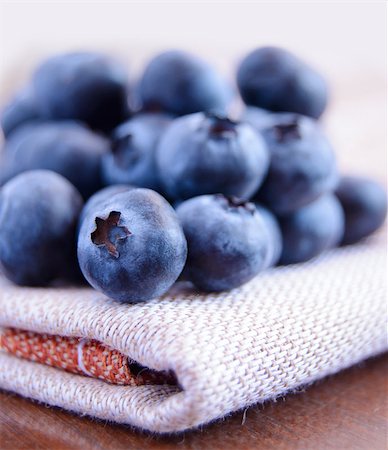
[{"x": 288, "y": 327}]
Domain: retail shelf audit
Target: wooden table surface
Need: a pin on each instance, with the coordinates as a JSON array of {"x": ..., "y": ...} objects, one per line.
[{"x": 345, "y": 411}]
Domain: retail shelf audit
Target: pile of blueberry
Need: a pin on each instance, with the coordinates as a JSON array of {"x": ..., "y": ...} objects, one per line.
[{"x": 246, "y": 193}]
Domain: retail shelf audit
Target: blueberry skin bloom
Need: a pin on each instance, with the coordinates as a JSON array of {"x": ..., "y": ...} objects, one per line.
[
  {"x": 102, "y": 196},
  {"x": 274, "y": 79},
  {"x": 274, "y": 235},
  {"x": 312, "y": 229},
  {"x": 257, "y": 117},
  {"x": 302, "y": 166},
  {"x": 208, "y": 154},
  {"x": 68, "y": 148},
  {"x": 132, "y": 248},
  {"x": 132, "y": 159},
  {"x": 365, "y": 205},
  {"x": 227, "y": 241},
  {"x": 262, "y": 119},
  {"x": 89, "y": 87},
  {"x": 20, "y": 110},
  {"x": 180, "y": 83},
  {"x": 38, "y": 217}
]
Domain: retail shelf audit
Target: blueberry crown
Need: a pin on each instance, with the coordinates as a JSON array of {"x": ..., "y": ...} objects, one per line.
[
  {"x": 220, "y": 124},
  {"x": 119, "y": 143},
  {"x": 288, "y": 131},
  {"x": 108, "y": 233},
  {"x": 124, "y": 150},
  {"x": 232, "y": 202}
]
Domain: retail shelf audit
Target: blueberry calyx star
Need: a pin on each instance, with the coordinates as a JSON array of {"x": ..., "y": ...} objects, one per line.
[{"x": 108, "y": 233}]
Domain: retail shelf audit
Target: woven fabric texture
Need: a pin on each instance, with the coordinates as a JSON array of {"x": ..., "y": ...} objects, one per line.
[{"x": 286, "y": 328}]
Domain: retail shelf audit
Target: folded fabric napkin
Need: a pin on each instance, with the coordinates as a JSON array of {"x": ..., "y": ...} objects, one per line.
[{"x": 188, "y": 358}]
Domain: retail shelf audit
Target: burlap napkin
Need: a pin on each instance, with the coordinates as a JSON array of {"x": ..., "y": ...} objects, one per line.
[{"x": 286, "y": 328}]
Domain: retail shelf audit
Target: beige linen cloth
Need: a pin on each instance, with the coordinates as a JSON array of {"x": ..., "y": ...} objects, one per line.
[{"x": 284, "y": 329}]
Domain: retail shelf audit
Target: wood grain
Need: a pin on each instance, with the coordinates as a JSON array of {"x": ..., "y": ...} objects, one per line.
[{"x": 345, "y": 411}]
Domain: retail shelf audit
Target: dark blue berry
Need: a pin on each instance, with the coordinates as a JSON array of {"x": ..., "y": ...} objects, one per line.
[
  {"x": 365, "y": 205},
  {"x": 302, "y": 166},
  {"x": 274, "y": 235},
  {"x": 68, "y": 148},
  {"x": 89, "y": 87},
  {"x": 274, "y": 79},
  {"x": 207, "y": 154},
  {"x": 20, "y": 110},
  {"x": 312, "y": 229},
  {"x": 180, "y": 83},
  {"x": 132, "y": 159},
  {"x": 227, "y": 241},
  {"x": 38, "y": 217},
  {"x": 132, "y": 248}
]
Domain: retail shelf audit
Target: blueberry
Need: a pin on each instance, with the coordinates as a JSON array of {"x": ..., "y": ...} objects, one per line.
[
  {"x": 132, "y": 159},
  {"x": 102, "y": 196},
  {"x": 312, "y": 229},
  {"x": 274, "y": 235},
  {"x": 227, "y": 241},
  {"x": 38, "y": 216},
  {"x": 180, "y": 83},
  {"x": 302, "y": 166},
  {"x": 64, "y": 147},
  {"x": 274, "y": 79},
  {"x": 132, "y": 248},
  {"x": 365, "y": 205},
  {"x": 207, "y": 154},
  {"x": 19, "y": 111},
  {"x": 89, "y": 87}
]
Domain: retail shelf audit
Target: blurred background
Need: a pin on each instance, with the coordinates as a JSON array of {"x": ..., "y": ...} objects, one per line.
[{"x": 344, "y": 40}]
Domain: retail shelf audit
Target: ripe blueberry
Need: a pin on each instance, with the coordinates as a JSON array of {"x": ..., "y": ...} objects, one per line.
[
  {"x": 132, "y": 159},
  {"x": 310, "y": 230},
  {"x": 302, "y": 166},
  {"x": 275, "y": 79},
  {"x": 207, "y": 154},
  {"x": 132, "y": 247},
  {"x": 180, "y": 83},
  {"x": 227, "y": 241},
  {"x": 365, "y": 205},
  {"x": 20, "y": 110},
  {"x": 38, "y": 217},
  {"x": 68, "y": 148},
  {"x": 89, "y": 87}
]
